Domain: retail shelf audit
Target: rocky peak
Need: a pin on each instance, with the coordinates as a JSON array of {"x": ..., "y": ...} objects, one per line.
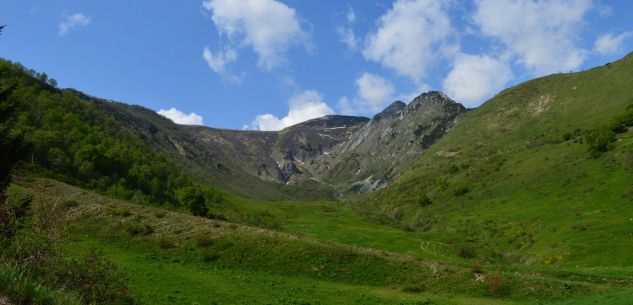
[
  {"x": 391, "y": 111},
  {"x": 434, "y": 101}
]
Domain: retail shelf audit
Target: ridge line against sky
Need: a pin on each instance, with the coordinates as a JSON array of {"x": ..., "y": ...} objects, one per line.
[{"x": 268, "y": 64}]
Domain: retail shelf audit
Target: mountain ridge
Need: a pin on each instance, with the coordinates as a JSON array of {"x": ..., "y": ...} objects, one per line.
[{"x": 298, "y": 158}]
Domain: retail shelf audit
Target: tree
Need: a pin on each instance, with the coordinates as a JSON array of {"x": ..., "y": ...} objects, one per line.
[
  {"x": 192, "y": 198},
  {"x": 13, "y": 147}
]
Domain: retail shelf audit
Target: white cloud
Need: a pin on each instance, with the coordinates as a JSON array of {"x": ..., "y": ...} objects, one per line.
[
  {"x": 476, "y": 77},
  {"x": 542, "y": 35},
  {"x": 218, "y": 61},
  {"x": 269, "y": 27},
  {"x": 346, "y": 33},
  {"x": 351, "y": 16},
  {"x": 373, "y": 94},
  {"x": 304, "y": 106},
  {"x": 375, "y": 91},
  {"x": 179, "y": 117},
  {"x": 72, "y": 21},
  {"x": 348, "y": 37},
  {"x": 412, "y": 36},
  {"x": 610, "y": 44}
]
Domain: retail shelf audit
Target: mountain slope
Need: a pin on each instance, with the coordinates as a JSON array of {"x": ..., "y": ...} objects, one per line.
[
  {"x": 392, "y": 141},
  {"x": 318, "y": 159},
  {"x": 515, "y": 181}
]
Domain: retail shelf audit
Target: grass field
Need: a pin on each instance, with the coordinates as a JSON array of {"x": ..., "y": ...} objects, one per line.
[{"x": 343, "y": 259}]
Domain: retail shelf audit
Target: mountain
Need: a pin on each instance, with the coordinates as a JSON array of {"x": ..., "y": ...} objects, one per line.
[
  {"x": 391, "y": 142},
  {"x": 539, "y": 174},
  {"x": 321, "y": 158}
]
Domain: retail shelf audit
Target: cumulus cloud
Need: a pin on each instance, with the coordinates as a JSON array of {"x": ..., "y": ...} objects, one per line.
[
  {"x": 542, "y": 35},
  {"x": 412, "y": 36},
  {"x": 373, "y": 94},
  {"x": 179, "y": 117},
  {"x": 72, "y": 21},
  {"x": 610, "y": 44},
  {"x": 269, "y": 27},
  {"x": 346, "y": 33},
  {"x": 304, "y": 106},
  {"x": 476, "y": 77},
  {"x": 218, "y": 61}
]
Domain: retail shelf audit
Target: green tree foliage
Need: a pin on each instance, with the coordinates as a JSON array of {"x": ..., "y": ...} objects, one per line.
[
  {"x": 600, "y": 140},
  {"x": 12, "y": 144},
  {"x": 75, "y": 142},
  {"x": 193, "y": 199}
]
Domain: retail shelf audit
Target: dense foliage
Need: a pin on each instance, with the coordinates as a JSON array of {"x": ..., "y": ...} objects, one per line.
[
  {"x": 12, "y": 142},
  {"x": 74, "y": 142}
]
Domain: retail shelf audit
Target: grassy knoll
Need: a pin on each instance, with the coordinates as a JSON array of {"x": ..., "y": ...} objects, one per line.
[{"x": 171, "y": 257}]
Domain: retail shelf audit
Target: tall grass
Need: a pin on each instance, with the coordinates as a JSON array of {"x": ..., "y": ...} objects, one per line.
[{"x": 22, "y": 290}]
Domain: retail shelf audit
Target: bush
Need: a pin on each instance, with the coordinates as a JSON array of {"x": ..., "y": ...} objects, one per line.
[
  {"x": 203, "y": 241},
  {"x": 96, "y": 279},
  {"x": 23, "y": 290},
  {"x": 496, "y": 286},
  {"x": 424, "y": 200},
  {"x": 166, "y": 243},
  {"x": 466, "y": 252},
  {"x": 138, "y": 229},
  {"x": 600, "y": 141},
  {"x": 566, "y": 136},
  {"x": 412, "y": 288},
  {"x": 208, "y": 255},
  {"x": 461, "y": 191},
  {"x": 123, "y": 212},
  {"x": 193, "y": 199}
]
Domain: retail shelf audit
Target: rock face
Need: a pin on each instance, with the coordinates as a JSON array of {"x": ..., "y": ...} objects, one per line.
[
  {"x": 392, "y": 140},
  {"x": 329, "y": 156}
]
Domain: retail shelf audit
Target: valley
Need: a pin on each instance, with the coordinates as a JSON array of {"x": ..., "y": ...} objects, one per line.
[{"x": 526, "y": 199}]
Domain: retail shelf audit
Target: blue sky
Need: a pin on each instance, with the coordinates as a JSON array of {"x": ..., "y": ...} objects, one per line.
[{"x": 267, "y": 64}]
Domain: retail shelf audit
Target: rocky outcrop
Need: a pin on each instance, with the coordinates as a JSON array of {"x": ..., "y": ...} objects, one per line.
[
  {"x": 392, "y": 140},
  {"x": 335, "y": 152}
]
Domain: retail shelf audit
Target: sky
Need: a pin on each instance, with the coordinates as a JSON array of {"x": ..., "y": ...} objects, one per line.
[{"x": 269, "y": 64}]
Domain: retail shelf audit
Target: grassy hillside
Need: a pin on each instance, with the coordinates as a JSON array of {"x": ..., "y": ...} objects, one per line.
[
  {"x": 523, "y": 179},
  {"x": 171, "y": 258}
]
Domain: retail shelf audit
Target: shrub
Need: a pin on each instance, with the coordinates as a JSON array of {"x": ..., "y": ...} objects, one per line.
[
  {"x": 123, "y": 212},
  {"x": 496, "y": 286},
  {"x": 160, "y": 214},
  {"x": 600, "y": 141},
  {"x": 453, "y": 169},
  {"x": 466, "y": 252},
  {"x": 412, "y": 288},
  {"x": 208, "y": 255},
  {"x": 193, "y": 199},
  {"x": 203, "y": 241},
  {"x": 424, "y": 200},
  {"x": 96, "y": 279},
  {"x": 138, "y": 229},
  {"x": 23, "y": 290},
  {"x": 461, "y": 191},
  {"x": 566, "y": 136},
  {"x": 166, "y": 243}
]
